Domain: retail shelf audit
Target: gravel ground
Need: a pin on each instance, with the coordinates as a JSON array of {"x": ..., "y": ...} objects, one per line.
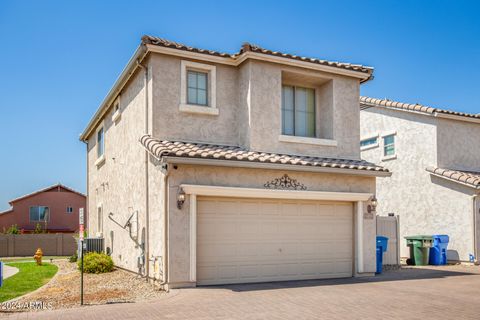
[{"x": 119, "y": 286}]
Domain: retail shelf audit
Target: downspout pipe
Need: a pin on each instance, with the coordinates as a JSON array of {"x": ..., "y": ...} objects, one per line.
[
  {"x": 475, "y": 235},
  {"x": 147, "y": 191},
  {"x": 165, "y": 229},
  {"x": 166, "y": 172}
]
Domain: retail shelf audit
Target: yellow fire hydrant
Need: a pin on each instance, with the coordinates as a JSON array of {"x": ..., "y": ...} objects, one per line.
[{"x": 38, "y": 256}]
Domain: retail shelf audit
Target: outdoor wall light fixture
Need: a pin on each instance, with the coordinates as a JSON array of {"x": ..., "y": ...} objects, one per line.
[
  {"x": 373, "y": 205},
  {"x": 180, "y": 198}
]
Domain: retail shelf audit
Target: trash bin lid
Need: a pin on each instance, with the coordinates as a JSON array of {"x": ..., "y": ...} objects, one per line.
[
  {"x": 419, "y": 237},
  {"x": 443, "y": 238}
]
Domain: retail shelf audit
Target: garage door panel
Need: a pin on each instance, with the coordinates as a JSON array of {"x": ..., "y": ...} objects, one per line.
[{"x": 254, "y": 240}]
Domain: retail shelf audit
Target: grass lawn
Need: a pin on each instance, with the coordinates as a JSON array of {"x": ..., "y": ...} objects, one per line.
[
  {"x": 29, "y": 277},
  {"x": 23, "y": 259}
]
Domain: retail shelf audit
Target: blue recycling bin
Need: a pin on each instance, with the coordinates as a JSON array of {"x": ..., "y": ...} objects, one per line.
[
  {"x": 382, "y": 243},
  {"x": 438, "y": 251},
  {"x": 1, "y": 274}
]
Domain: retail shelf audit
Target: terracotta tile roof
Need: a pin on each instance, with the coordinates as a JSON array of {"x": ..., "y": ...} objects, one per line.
[
  {"x": 58, "y": 185},
  {"x": 466, "y": 177},
  {"x": 247, "y": 47},
  {"x": 366, "y": 102},
  {"x": 161, "y": 148}
]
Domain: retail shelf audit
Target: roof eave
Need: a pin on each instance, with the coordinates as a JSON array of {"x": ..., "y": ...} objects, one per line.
[
  {"x": 273, "y": 166},
  {"x": 475, "y": 187},
  {"x": 456, "y": 117},
  {"x": 117, "y": 87},
  {"x": 239, "y": 59}
]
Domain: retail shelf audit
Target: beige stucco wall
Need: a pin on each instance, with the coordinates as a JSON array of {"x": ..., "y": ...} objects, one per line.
[
  {"x": 458, "y": 145},
  {"x": 119, "y": 184},
  {"x": 266, "y": 117},
  {"x": 171, "y": 124},
  {"x": 179, "y": 220},
  {"x": 425, "y": 204},
  {"x": 249, "y": 103}
]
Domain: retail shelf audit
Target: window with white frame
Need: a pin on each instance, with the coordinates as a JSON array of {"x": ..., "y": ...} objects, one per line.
[
  {"x": 389, "y": 145},
  {"x": 100, "y": 142},
  {"x": 116, "y": 110},
  {"x": 39, "y": 213},
  {"x": 198, "y": 88},
  {"x": 298, "y": 111},
  {"x": 369, "y": 142},
  {"x": 69, "y": 210}
]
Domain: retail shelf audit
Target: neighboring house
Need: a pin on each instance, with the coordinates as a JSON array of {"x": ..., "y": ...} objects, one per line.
[
  {"x": 55, "y": 208},
  {"x": 213, "y": 168},
  {"x": 434, "y": 155}
]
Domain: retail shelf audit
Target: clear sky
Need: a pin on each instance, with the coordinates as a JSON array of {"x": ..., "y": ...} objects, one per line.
[{"x": 58, "y": 59}]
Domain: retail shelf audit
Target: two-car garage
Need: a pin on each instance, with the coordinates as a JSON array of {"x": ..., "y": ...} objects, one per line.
[{"x": 241, "y": 240}]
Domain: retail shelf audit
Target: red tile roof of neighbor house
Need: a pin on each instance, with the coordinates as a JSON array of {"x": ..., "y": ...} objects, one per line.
[
  {"x": 58, "y": 185},
  {"x": 247, "y": 47},
  {"x": 469, "y": 178},
  {"x": 367, "y": 102},
  {"x": 162, "y": 148}
]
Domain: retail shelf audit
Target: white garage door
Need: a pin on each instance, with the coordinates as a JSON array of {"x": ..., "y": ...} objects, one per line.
[{"x": 257, "y": 240}]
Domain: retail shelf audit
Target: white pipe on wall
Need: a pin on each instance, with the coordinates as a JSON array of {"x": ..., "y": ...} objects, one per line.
[{"x": 475, "y": 236}]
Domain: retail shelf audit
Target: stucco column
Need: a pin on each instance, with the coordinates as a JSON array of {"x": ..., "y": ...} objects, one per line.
[
  {"x": 193, "y": 237},
  {"x": 359, "y": 236}
]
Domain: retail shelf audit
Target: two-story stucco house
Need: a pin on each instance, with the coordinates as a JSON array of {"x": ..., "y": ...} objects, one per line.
[
  {"x": 434, "y": 155},
  {"x": 52, "y": 209},
  {"x": 214, "y": 168}
]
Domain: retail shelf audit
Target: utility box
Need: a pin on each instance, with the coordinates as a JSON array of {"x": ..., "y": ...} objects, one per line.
[{"x": 94, "y": 245}]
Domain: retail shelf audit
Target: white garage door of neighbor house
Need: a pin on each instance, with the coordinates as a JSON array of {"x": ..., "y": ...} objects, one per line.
[{"x": 258, "y": 240}]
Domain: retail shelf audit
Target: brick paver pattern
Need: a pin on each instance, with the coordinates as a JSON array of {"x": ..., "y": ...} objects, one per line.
[{"x": 451, "y": 292}]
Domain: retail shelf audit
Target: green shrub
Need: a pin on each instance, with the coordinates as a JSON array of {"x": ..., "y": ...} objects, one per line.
[
  {"x": 96, "y": 263},
  {"x": 73, "y": 257},
  {"x": 13, "y": 229},
  {"x": 38, "y": 229}
]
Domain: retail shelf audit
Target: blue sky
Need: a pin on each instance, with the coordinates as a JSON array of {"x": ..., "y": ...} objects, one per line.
[{"x": 58, "y": 59}]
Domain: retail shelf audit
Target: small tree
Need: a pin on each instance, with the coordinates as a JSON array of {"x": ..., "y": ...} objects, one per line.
[
  {"x": 13, "y": 229},
  {"x": 38, "y": 228}
]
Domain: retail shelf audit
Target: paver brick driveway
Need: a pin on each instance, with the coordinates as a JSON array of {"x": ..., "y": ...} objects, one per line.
[{"x": 451, "y": 292}]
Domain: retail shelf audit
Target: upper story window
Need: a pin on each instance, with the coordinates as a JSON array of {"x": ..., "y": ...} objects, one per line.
[
  {"x": 69, "y": 209},
  {"x": 389, "y": 145},
  {"x": 100, "y": 142},
  {"x": 369, "y": 143},
  {"x": 298, "y": 111},
  {"x": 39, "y": 213},
  {"x": 197, "y": 89},
  {"x": 100, "y": 146},
  {"x": 116, "y": 110}
]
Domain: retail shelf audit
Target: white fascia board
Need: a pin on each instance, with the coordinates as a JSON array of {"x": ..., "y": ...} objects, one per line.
[
  {"x": 218, "y": 191},
  {"x": 453, "y": 180},
  {"x": 257, "y": 56},
  {"x": 456, "y": 117},
  {"x": 273, "y": 166}
]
